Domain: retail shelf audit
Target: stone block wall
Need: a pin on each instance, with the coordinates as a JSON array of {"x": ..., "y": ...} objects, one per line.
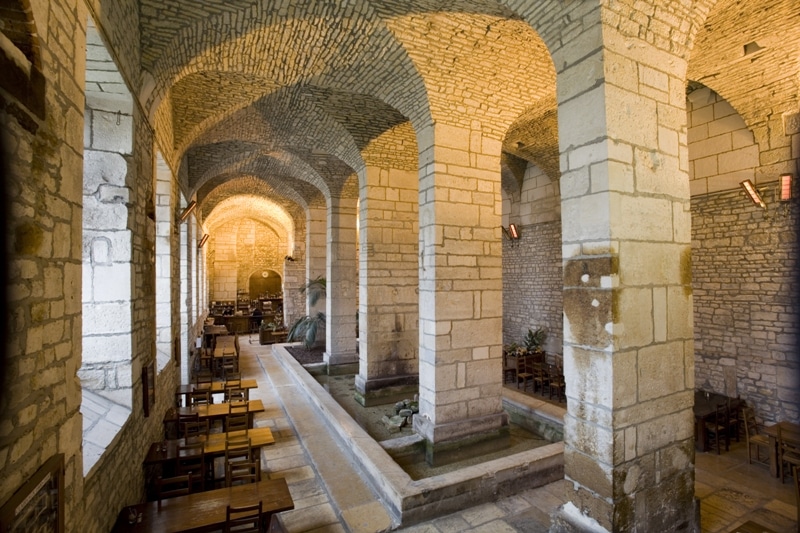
[
  {"x": 744, "y": 262},
  {"x": 533, "y": 285}
]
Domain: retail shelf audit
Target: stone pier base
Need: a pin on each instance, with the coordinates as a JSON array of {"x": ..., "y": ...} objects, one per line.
[
  {"x": 446, "y": 443},
  {"x": 379, "y": 391}
]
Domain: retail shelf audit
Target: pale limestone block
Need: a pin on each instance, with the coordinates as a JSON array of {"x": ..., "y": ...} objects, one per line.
[
  {"x": 53, "y": 332},
  {"x": 731, "y": 180},
  {"x": 744, "y": 158},
  {"x": 723, "y": 109},
  {"x": 107, "y": 318},
  {"x": 697, "y": 133},
  {"x": 586, "y": 218},
  {"x": 698, "y": 187},
  {"x": 630, "y": 443},
  {"x": 613, "y": 176},
  {"x": 660, "y": 370},
  {"x": 582, "y": 120},
  {"x": 701, "y": 115},
  {"x": 727, "y": 124},
  {"x": 472, "y": 333},
  {"x": 664, "y": 431},
  {"x": 592, "y": 439},
  {"x": 447, "y": 136},
  {"x": 103, "y": 168},
  {"x": 668, "y": 140},
  {"x": 679, "y": 302},
  {"x": 741, "y": 138},
  {"x": 647, "y": 263},
  {"x": 575, "y": 184},
  {"x": 645, "y": 218},
  {"x": 588, "y": 375},
  {"x": 705, "y": 166},
  {"x": 582, "y": 48},
  {"x": 631, "y": 117},
  {"x": 634, "y": 313},
  {"x": 108, "y": 136}
]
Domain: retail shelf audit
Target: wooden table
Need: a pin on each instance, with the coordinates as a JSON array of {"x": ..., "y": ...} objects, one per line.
[
  {"x": 212, "y": 412},
  {"x": 225, "y": 346},
  {"x": 217, "y": 387},
  {"x": 214, "y": 445},
  {"x": 705, "y": 407},
  {"x": 205, "y": 511},
  {"x": 772, "y": 432}
]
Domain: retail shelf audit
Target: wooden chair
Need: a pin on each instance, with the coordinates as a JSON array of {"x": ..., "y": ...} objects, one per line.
[
  {"x": 523, "y": 371},
  {"x": 242, "y": 472},
  {"x": 237, "y": 422},
  {"x": 183, "y": 420},
  {"x": 230, "y": 363},
  {"x": 788, "y": 452},
  {"x": 191, "y": 461},
  {"x": 540, "y": 378},
  {"x": 509, "y": 368},
  {"x": 734, "y": 417},
  {"x": 195, "y": 430},
  {"x": 753, "y": 435},
  {"x": 236, "y": 394},
  {"x": 233, "y": 379},
  {"x": 795, "y": 472},
  {"x": 199, "y": 397},
  {"x": 245, "y": 519},
  {"x": 556, "y": 382},
  {"x": 717, "y": 428},
  {"x": 169, "y": 487}
]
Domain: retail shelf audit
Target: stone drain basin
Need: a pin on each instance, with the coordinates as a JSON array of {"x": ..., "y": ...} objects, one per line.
[{"x": 410, "y": 501}]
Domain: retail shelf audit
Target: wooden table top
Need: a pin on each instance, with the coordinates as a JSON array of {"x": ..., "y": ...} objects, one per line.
[
  {"x": 214, "y": 445},
  {"x": 215, "y": 330},
  {"x": 225, "y": 346},
  {"x": 204, "y": 511},
  {"x": 789, "y": 427},
  {"x": 707, "y": 406},
  {"x": 219, "y": 410},
  {"x": 216, "y": 386}
]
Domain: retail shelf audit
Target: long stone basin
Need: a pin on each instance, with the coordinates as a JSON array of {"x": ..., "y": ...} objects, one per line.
[{"x": 411, "y": 501}]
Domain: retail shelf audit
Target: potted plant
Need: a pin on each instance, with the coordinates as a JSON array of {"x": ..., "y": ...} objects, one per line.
[
  {"x": 534, "y": 340},
  {"x": 264, "y": 335},
  {"x": 305, "y": 329}
]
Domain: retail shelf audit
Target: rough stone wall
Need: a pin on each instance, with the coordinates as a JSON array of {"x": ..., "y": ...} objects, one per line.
[
  {"x": 533, "y": 284},
  {"x": 239, "y": 249},
  {"x": 745, "y": 305},
  {"x": 41, "y": 396}
]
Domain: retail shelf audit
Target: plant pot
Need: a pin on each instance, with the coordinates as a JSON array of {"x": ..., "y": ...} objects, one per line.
[{"x": 264, "y": 336}]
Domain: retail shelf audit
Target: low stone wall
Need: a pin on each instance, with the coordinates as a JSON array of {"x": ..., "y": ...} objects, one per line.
[{"x": 409, "y": 501}]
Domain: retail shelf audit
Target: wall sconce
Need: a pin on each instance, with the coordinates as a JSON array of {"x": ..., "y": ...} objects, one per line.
[
  {"x": 289, "y": 258},
  {"x": 753, "y": 194},
  {"x": 786, "y": 187},
  {"x": 511, "y": 233},
  {"x": 187, "y": 211},
  {"x": 202, "y": 241}
]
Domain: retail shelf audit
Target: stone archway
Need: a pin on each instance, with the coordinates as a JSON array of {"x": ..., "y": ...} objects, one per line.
[{"x": 264, "y": 284}]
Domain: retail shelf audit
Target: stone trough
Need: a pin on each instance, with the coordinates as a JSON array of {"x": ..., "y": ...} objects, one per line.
[{"x": 411, "y": 501}]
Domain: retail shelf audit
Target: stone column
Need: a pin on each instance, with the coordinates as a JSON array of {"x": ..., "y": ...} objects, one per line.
[
  {"x": 389, "y": 278},
  {"x": 628, "y": 351},
  {"x": 340, "y": 331},
  {"x": 460, "y": 289},
  {"x": 316, "y": 251}
]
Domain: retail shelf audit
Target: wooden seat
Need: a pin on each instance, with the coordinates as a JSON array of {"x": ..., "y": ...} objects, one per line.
[
  {"x": 523, "y": 371},
  {"x": 236, "y": 394},
  {"x": 169, "y": 487},
  {"x": 237, "y": 422},
  {"x": 191, "y": 461},
  {"x": 556, "y": 382},
  {"x": 195, "y": 430},
  {"x": 788, "y": 452},
  {"x": 241, "y": 472},
  {"x": 509, "y": 368},
  {"x": 540, "y": 378},
  {"x": 717, "y": 428},
  {"x": 183, "y": 419},
  {"x": 199, "y": 397},
  {"x": 246, "y": 519},
  {"x": 753, "y": 435}
]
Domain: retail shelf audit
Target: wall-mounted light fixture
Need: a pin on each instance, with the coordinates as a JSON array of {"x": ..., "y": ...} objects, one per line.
[
  {"x": 753, "y": 193},
  {"x": 289, "y": 258},
  {"x": 786, "y": 187},
  {"x": 511, "y": 233},
  {"x": 187, "y": 211},
  {"x": 202, "y": 241}
]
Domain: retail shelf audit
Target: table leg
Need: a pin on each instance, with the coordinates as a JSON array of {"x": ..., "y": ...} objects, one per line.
[
  {"x": 773, "y": 456},
  {"x": 701, "y": 433}
]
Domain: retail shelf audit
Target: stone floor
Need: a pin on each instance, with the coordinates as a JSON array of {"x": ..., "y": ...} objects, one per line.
[{"x": 331, "y": 496}]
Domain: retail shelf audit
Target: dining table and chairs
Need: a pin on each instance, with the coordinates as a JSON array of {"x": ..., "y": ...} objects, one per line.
[
  {"x": 214, "y": 387},
  {"x": 207, "y": 510}
]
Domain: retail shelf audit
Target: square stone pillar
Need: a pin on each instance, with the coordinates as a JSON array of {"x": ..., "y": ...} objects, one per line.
[
  {"x": 389, "y": 279},
  {"x": 628, "y": 352},
  {"x": 460, "y": 289},
  {"x": 342, "y": 282}
]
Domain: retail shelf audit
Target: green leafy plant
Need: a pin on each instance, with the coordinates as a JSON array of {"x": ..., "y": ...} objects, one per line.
[
  {"x": 535, "y": 339},
  {"x": 315, "y": 289},
  {"x": 305, "y": 329}
]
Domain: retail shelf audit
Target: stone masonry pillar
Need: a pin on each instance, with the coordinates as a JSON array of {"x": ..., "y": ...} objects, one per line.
[
  {"x": 389, "y": 278},
  {"x": 628, "y": 352},
  {"x": 342, "y": 282},
  {"x": 460, "y": 289}
]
